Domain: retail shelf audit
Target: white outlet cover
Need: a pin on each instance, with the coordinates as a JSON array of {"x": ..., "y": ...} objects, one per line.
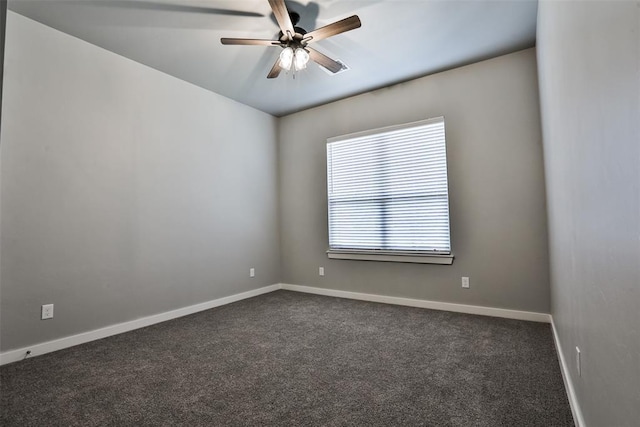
[
  {"x": 465, "y": 282},
  {"x": 47, "y": 311},
  {"x": 252, "y": 272},
  {"x": 321, "y": 271}
]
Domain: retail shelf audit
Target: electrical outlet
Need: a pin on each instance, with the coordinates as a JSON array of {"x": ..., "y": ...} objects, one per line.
[
  {"x": 465, "y": 282},
  {"x": 47, "y": 311},
  {"x": 578, "y": 367},
  {"x": 252, "y": 272},
  {"x": 321, "y": 271}
]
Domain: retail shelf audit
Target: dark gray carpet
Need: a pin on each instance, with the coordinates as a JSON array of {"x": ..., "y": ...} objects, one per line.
[{"x": 294, "y": 359}]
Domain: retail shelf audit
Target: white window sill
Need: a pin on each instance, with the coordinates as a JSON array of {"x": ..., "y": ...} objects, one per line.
[{"x": 391, "y": 257}]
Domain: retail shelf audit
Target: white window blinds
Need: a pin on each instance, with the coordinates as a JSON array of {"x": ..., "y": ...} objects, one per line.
[{"x": 388, "y": 190}]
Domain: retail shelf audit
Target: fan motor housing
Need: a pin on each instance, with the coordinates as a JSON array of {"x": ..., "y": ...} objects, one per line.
[{"x": 299, "y": 32}]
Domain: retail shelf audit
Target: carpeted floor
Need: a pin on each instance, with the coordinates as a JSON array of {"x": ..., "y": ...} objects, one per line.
[{"x": 293, "y": 359}]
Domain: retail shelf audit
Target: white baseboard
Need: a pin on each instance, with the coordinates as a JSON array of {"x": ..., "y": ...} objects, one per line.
[
  {"x": 59, "y": 344},
  {"x": 433, "y": 305},
  {"x": 568, "y": 384}
]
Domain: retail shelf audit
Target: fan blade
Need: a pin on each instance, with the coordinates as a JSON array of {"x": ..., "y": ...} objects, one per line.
[
  {"x": 260, "y": 42},
  {"x": 282, "y": 16},
  {"x": 155, "y": 5},
  {"x": 324, "y": 60},
  {"x": 346, "y": 24},
  {"x": 275, "y": 70}
]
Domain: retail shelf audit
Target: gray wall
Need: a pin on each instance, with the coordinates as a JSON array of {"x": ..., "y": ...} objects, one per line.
[
  {"x": 3, "y": 23},
  {"x": 496, "y": 185},
  {"x": 125, "y": 192},
  {"x": 3, "y": 26},
  {"x": 589, "y": 64}
]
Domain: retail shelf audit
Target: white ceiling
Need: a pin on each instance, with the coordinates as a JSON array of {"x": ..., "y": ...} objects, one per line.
[{"x": 399, "y": 40}]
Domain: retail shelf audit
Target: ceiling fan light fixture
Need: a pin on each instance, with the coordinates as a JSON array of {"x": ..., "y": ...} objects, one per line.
[
  {"x": 286, "y": 58},
  {"x": 294, "y": 40},
  {"x": 300, "y": 59}
]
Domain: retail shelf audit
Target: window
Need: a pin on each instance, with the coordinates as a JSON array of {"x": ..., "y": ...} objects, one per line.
[{"x": 388, "y": 194}]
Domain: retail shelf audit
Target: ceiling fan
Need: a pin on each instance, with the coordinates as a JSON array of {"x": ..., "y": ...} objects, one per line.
[{"x": 294, "y": 41}]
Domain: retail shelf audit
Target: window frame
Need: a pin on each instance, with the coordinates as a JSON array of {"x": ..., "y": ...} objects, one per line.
[{"x": 420, "y": 257}]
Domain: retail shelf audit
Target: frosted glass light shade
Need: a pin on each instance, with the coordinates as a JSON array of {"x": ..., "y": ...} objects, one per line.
[
  {"x": 286, "y": 58},
  {"x": 300, "y": 59}
]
